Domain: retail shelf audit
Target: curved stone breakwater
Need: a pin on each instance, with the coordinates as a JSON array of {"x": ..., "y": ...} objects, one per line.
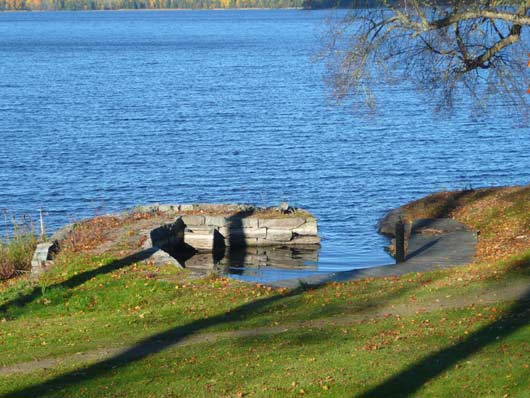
[{"x": 199, "y": 236}]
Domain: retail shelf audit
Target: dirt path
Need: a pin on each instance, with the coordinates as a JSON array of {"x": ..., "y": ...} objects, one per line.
[{"x": 511, "y": 292}]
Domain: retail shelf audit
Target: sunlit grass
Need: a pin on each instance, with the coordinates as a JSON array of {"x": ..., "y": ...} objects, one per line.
[{"x": 458, "y": 331}]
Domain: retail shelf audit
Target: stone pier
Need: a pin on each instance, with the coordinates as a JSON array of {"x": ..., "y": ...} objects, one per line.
[{"x": 199, "y": 235}]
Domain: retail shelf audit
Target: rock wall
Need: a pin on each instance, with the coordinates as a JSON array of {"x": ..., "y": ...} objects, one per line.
[
  {"x": 206, "y": 228},
  {"x": 204, "y": 232}
]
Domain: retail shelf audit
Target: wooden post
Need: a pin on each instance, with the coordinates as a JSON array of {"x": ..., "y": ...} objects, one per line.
[
  {"x": 400, "y": 241},
  {"x": 42, "y": 230}
]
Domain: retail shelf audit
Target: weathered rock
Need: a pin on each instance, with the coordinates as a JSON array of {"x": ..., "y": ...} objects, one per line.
[
  {"x": 281, "y": 223},
  {"x": 251, "y": 242},
  {"x": 215, "y": 221},
  {"x": 200, "y": 239},
  {"x": 248, "y": 222},
  {"x": 160, "y": 258},
  {"x": 282, "y": 235},
  {"x": 43, "y": 256},
  {"x": 224, "y": 231},
  {"x": 238, "y": 221},
  {"x": 239, "y": 233},
  {"x": 201, "y": 228},
  {"x": 190, "y": 220},
  {"x": 168, "y": 234},
  {"x": 305, "y": 240},
  {"x": 309, "y": 228},
  {"x": 168, "y": 208},
  {"x": 255, "y": 232},
  {"x": 387, "y": 225},
  {"x": 264, "y": 242},
  {"x": 151, "y": 208},
  {"x": 240, "y": 241}
]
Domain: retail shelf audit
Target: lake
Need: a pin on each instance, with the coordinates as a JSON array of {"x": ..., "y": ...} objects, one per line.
[{"x": 101, "y": 111}]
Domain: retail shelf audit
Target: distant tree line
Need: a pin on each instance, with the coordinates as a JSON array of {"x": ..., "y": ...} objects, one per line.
[
  {"x": 358, "y": 4},
  {"x": 322, "y": 4},
  {"x": 48, "y": 5}
]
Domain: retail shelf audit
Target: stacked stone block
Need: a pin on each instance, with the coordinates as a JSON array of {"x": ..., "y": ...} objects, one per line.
[{"x": 205, "y": 232}]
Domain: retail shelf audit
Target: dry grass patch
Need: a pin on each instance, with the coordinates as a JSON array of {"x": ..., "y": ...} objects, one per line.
[
  {"x": 501, "y": 215},
  {"x": 89, "y": 234},
  {"x": 17, "y": 246}
]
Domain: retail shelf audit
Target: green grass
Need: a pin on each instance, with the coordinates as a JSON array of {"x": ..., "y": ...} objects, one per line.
[
  {"x": 313, "y": 362},
  {"x": 463, "y": 331},
  {"x": 92, "y": 302}
]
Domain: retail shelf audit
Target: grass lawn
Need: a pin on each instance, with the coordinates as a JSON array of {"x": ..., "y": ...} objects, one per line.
[{"x": 96, "y": 326}]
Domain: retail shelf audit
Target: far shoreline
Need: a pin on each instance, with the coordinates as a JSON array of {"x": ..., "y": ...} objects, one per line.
[{"x": 166, "y": 9}]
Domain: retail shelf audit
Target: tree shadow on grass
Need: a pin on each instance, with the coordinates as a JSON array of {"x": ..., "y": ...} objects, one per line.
[
  {"x": 411, "y": 379},
  {"x": 76, "y": 280},
  {"x": 455, "y": 200},
  {"x": 165, "y": 340},
  {"x": 519, "y": 265},
  {"x": 144, "y": 348}
]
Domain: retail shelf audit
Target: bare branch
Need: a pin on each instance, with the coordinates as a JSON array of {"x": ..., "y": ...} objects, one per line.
[{"x": 466, "y": 46}]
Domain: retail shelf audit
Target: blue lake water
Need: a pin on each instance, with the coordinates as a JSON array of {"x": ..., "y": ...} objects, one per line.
[{"x": 101, "y": 111}]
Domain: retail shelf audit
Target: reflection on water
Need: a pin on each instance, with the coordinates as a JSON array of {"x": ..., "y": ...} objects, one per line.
[{"x": 258, "y": 264}]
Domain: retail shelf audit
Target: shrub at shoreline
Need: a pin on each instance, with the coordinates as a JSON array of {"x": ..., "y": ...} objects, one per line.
[{"x": 17, "y": 250}]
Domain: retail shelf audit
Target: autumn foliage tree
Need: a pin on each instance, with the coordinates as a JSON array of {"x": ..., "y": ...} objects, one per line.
[
  {"x": 475, "y": 49},
  {"x": 141, "y": 4}
]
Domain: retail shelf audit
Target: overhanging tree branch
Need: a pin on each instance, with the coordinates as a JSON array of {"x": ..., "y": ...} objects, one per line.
[{"x": 436, "y": 47}]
